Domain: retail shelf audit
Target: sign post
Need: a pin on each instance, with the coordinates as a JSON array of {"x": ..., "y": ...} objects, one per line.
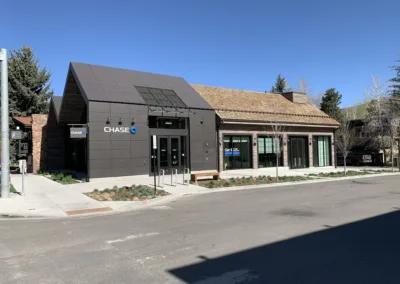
[{"x": 154, "y": 162}]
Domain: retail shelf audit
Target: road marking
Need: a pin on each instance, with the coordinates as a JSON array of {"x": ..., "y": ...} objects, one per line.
[{"x": 131, "y": 237}]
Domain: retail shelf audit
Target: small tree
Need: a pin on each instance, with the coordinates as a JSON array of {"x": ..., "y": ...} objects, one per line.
[
  {"x": 330, "y": 104},
  {"x": 378, "y": 111},
  {"x": 345, "y": 140},
  {"x": 281, "y": 86},
  {"x": 277, "y": 136}
]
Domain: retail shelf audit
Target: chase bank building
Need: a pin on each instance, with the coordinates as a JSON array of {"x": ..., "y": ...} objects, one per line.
[{"x": 114, "y": 122}]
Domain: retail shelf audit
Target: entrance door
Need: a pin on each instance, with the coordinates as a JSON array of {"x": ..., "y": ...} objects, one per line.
[
  {"x": 169, "y": 153},
  {"x": 298, "y": 152}
]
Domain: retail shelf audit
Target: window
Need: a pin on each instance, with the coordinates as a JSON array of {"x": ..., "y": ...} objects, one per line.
[
  {"x": 160, "y": 97},
  {"x": 321, "y": 151},
  {"x": 237, "y": 152},
  {"x": 267, "y": 149}
]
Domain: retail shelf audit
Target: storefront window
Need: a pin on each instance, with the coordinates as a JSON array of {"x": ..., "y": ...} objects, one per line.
[
  {"x": 267, "y": 149},
  {"x": 321, "y": 151},
  {"x": 237, "y": 152}
]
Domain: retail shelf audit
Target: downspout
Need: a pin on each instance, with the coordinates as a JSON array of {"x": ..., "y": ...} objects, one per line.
[{"x": 221, "y": 122}]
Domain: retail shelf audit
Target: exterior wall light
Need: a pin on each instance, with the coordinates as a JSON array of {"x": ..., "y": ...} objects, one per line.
[
  {"x": 133, "y": 121},
  {"x": 108, "y": 121},
  {"x": 120, "y": 121}
]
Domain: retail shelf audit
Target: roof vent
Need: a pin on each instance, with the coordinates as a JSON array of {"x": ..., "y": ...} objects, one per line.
[{"x": 296, "y": 97}]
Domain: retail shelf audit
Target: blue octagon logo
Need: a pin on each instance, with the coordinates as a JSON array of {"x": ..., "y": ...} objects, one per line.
[{"x": 133, "y": 130}]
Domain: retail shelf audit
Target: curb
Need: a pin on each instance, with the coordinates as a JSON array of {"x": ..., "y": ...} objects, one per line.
[
  {"x": 170, "y": 198},
  {"x": 233, "y": 188}
]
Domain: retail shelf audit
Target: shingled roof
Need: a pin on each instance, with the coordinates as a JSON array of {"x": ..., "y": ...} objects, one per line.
[{"x": 238, "y": 105}]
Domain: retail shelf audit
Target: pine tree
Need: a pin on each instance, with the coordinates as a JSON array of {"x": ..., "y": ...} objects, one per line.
[
  {"x": 29, "y": 85},
  {"x": 330, "y": 104},
  {"x": 395, "y": 87},
  {"x": 281, "y": 85}
]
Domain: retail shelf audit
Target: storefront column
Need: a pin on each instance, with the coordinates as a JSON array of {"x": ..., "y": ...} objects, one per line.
[
  {"x": 310, "y": 151},
  {"x": 255, "y": 150},
  {"x": 285, "y": 150}
]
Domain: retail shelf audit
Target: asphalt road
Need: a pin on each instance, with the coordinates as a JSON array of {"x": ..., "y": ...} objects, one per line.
[{"x": 332, "y": 232}]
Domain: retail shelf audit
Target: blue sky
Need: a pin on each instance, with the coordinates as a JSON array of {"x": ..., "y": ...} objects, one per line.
[{"x": 236, "y": 44}]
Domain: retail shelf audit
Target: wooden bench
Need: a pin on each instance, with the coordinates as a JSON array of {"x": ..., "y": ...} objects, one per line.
[{"x": 193, "y": 177}]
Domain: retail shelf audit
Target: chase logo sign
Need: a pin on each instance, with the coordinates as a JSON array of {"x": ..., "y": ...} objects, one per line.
[
  {"x": 133, "y": 130},
  {"x": 109, "y": 129},
  {"x": 76, "y": 132}
]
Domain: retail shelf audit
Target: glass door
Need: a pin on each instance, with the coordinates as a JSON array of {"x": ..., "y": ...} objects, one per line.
[
  {"x": 163, "y": 163},
  {"x": 298, "y": 152},
  {"x": 169, "y": 154},
  {"x": 175, "y": 152}
]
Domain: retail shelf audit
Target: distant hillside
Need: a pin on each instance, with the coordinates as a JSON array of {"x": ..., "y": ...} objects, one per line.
[{"x": 358, "y": 111}]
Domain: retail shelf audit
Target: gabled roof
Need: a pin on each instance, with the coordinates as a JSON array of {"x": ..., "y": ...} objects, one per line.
[
  {"x": 238, "y": 105},
  {"x": 57, "y": 100},
  {"x": 107, "y": 84},
  {"x": 23, "y": 120}
]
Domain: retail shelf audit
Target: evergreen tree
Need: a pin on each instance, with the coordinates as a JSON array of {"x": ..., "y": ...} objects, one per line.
[
  {"x": 29, "y": 85},
  {"x": 281, "y": 85},
  {"x": 330, "y": 104},
  {"x": 395, "y": 87}
]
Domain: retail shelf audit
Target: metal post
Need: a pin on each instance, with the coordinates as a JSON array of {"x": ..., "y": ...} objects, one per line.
[
  {"x": 5, "y": 159},
  {"x": 155, "y": 170},
  {"x": 176, "y": 176},
  {"x": 23, "y": 177},
  {"x": 161, "y": 182}
]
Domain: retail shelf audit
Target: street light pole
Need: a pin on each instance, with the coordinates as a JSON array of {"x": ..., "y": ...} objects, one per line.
[{"x": 5, "y": 140}]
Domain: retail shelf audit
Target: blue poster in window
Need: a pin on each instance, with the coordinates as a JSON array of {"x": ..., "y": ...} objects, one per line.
[{"x": 232, "y": 152}]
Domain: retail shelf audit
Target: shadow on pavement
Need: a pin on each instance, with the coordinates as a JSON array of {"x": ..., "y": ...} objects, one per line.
[{"x": 366, "y": 251}]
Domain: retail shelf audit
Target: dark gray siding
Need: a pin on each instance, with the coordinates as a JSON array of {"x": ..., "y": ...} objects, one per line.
[
  {"x": 124, "y": 154},
  {"x": 117, "y": 154},
  {"x": 203, "y": 157}
]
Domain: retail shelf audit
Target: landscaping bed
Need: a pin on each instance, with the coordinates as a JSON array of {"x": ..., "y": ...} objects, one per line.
[
  {"x": 63, "y": 178},
  {"x": 348, "y": 174},
  {"x": 242, "y": 181},
  {"x": 126, "y": 193},
  {"x": 249, "y": 181}
]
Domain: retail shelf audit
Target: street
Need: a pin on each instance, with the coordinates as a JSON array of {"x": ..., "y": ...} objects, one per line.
[{"x": 332, "y": 232}]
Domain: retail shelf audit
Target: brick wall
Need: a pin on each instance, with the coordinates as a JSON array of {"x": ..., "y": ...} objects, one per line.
[{"x": 39, "y": 122}]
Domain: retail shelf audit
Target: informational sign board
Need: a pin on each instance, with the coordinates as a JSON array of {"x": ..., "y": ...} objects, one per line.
[
  {"x": 16, "y": 134},
  {"x": 23, "y": 148},
  {"x": 154, "y": 142},
  {"x": 78, "y": 132}
]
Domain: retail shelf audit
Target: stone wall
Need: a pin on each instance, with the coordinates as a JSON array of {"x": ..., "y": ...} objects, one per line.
[
  {"x": 255, "y": 130},
  {"x": 39, "y": 122}
]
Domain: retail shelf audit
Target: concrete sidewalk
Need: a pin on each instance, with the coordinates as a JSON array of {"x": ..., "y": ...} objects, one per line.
[{"x": 46, "y": 198}]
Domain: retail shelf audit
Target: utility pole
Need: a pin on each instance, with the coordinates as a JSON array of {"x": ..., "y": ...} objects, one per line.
[{"x": 5, "y": 139}]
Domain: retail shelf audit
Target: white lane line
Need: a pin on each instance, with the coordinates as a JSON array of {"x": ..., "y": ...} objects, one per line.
[{"x": 131, "y": 237}]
